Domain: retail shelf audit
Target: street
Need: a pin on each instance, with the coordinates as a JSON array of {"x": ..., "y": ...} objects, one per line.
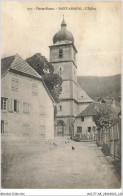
[{"x": 56, "y": 165}]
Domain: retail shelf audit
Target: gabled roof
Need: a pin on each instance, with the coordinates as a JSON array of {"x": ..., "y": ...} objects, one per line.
[
  {"x": 18, "y": 64},
  {"x": 90, "y": 110},
  {"x": 82, "y": 95},
  {"x": 6, "y": 63},
  {"x": 102, "y": 108}
]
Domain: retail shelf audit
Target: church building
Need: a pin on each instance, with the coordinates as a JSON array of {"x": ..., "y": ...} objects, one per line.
[{"x": 73, "y": 98}]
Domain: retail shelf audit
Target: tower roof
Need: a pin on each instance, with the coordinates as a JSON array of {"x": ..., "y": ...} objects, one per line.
[
  {"x": 63, "y": 22},
  {"x": 63, "y": 34}
]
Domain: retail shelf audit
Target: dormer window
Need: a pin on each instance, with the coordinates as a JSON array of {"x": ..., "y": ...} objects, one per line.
[{"x": 60, "y": 53}]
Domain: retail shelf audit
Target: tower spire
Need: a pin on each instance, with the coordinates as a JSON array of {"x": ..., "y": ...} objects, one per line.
[{"x": 63, "y": 24}]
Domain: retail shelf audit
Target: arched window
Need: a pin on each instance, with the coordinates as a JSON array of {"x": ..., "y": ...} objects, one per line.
[
  {"x": 60, "y": 71},
  {"x": 60, "y": 108},
  {"x": 74, "y": 56},
  {"x": 60, "y": 53}
]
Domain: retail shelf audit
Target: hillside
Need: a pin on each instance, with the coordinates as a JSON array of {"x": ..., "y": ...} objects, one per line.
[{"x": 109, "y": 86}]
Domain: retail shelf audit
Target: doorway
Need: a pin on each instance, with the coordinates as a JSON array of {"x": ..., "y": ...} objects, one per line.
[{"x": 60, "y": 128}]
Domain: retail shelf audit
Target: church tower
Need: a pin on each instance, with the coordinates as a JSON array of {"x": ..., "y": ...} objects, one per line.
[
  {"x": 73, "y": 98},
  {"x": 63, "y": 58}
]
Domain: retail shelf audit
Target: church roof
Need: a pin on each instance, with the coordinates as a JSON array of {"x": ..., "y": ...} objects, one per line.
[
  {"x": 64, "y": 42},
  {"x": 16, "y": 63},
  {"x": 63, "y": 34},
  {"x": 82, "y": 95}
]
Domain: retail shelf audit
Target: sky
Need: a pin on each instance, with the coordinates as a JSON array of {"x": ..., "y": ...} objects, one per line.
[{"x": 96, "y": 29}]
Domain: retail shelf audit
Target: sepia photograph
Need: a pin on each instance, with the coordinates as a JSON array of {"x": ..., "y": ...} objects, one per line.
[{"x": 61, "y": 95}]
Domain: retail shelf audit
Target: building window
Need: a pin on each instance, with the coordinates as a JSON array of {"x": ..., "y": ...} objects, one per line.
[
  {"x": 74, "y": 57},
  {"x": 42, "y": 110},
  {"x": 26, "y": 107},
  {"x": 60, "y": 71},
  {"x": 60, "y": 107},
  {"x": 4, "y": 126},
  {"x": 34, "y": 89},
  {"x": 60, "y": 53},
  {"x": 26, "y": 129},
  {"x": 14, "y": 84},
  {"x": 94, "y": 128},
  {"x": 93, "y": 118},
  {"x": 42, "y": 131},
  {"x": 89, "y": 129},
  {"x": 15, "y": 105},
  {"x": 4, "y": 103},
  {"x": 79, "y": 129},
  {"x": 82, "y": 118}
]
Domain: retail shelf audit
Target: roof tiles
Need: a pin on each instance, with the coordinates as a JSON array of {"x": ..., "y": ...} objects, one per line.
[{"x": 18, "y": 64}]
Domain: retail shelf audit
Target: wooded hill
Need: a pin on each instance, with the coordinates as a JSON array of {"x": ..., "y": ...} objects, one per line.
[{"x": 105, "y": 87}]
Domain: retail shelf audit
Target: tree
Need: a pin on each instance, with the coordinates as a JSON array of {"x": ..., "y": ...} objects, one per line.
[
  {"x": 53, "y": 81},
  {"x": 40, "y": 64},
  {"x": 102, "y": 120},
  {"x": 105, "y": 115}
]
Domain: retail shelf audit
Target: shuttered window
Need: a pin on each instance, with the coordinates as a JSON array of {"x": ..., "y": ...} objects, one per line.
[
  {"x": 4, "y": 103},
  {"x": 26, "y": 129},
  {"x": 4, "y": 127},
  {"x": 14, "y": 105},
  {"x": 42, "y": 130},
  {"x": 26, "y": 107},
  {"x": 42, "y": 110},
  {"x": 34, "y": 89},
  {"x": 14, "y": 84}
]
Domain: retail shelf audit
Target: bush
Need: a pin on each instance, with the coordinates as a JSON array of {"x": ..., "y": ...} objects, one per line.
[{"x": 105, "y": 149}]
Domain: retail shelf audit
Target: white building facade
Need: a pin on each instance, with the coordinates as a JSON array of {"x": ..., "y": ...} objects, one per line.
[
  {"x": 85, "y": 126},
  {"x": 27, "y": 109}
]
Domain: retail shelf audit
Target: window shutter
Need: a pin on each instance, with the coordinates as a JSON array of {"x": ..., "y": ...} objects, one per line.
[
  {"x": 29, "y": 108},
  {"x": 10, "y": 105},
  {"x": 12, "y": 110},
  {"x": 18, "y": 106},
  {"x": 1, "y": 103},
  {"x": 5, "y": 126}
]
